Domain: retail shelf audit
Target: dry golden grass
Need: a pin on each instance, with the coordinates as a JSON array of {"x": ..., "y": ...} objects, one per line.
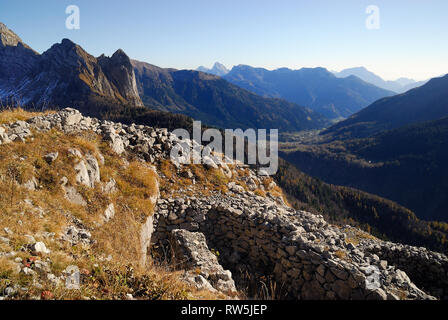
[
  {"x": 340, "y": 254},
  {"x": 136, "y": 185},
  {"x": 355, "y": 236},
  {"x": 260, "y": 193},
  {"x": 120, "y": 238},
  {"x": 6, "y": 268},
  {"x": 168, "y": 169},
  {"x": 9, "y": 115},
  {"x": 353, "y": 241},
  {"x": 109, "y": 281},
  {"x": 207, "y": 180},
  {"x": 60, "y": 261}
]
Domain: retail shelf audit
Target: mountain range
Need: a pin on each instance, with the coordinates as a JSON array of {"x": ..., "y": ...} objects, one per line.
[
  {"x": 395, "y": 148},
  {"x": 400, "y": 85},
  {"x": 66, "y": 75},
  {"x": 218, "y": 69},
  {"x": 316, "y": 88},
  {"x": 217, "y": 102},
  {"x": 428, "y": 102}
]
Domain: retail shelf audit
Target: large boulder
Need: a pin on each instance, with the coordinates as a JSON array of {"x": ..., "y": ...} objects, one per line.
[{"x": 70, "y": 117}]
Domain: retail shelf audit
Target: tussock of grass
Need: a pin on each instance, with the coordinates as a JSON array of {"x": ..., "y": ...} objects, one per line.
[
  {"x": 6, "y": 268},
  {"x": 119, "y": 238},
  {"x": 340, "y": 254},
  {"x": 113, "y": 282},
  {"x": 260, "y": 193},
  {"x": 168, "y": 169},
  {"x": 8, "y": 115},
  {"x": 138, "y": 184},
  {"x": 206, "y": 180}
]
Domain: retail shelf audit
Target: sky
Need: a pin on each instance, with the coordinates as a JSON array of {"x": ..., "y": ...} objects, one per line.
[{"x": 411, "y": 40}]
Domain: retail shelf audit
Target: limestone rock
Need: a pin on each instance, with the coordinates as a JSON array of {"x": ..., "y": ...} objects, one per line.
[
  {"x": 31, "y": 184},
  {"x": 193, "y": 253},
  {"x": 70, "y": 117},
  {"x": 82, "y": 175},
  {"x": 88, "y": 171},
  {"x": 39, "y": 247},
  {"x": 109, "y": 213},
  {"x": 72, "y": 195}
]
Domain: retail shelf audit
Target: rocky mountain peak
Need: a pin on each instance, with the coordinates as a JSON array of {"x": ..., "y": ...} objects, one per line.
[
  {"x": 65, "y": 72},
  {"x": 9, "y": 38},
  {"x": 67, "y": 50},
  {"x": 122, "y": 59},
  {"x": 120, "y": 55},
  {"x": 67, "y": 43},
  {"x": 16, "y": 57},
  {"x": 218, "y": 69},
  {"x": 120, "y": 72}
]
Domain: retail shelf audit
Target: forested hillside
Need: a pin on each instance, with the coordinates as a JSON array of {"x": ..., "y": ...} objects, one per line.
[
  {"x": 342, "y": 205},
  {"x": 406, "y": 165}
]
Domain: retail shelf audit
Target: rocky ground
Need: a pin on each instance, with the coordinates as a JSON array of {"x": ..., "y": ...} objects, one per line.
[{"x": 217, "y": 224}]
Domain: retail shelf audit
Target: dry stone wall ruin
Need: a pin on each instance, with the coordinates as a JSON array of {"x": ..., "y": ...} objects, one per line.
[{"x": 306, "y": 256}]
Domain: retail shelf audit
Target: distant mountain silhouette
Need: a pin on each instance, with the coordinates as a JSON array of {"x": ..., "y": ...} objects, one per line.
[
  {"x": 218, "y": 69},
  {"x": 217, "y": 102},
  {"x": 428, "y": 102},
  {"x": 399, "y": 86},
  {"x": 315, "y": 88}
]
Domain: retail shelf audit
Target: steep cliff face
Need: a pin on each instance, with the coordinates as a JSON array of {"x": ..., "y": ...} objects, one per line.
[
  {"x": 120, "y": 72},
  {"x": 64, "y": 75}
]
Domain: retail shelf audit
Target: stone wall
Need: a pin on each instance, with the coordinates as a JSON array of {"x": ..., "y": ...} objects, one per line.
[
  {"x": 427, "y": 269},
  {"x": 307, "y": 257}
]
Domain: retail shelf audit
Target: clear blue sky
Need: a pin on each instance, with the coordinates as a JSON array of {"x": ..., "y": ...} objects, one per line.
[{"x": 412, "y": 40}]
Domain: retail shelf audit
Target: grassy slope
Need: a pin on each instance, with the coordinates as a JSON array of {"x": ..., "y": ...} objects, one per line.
[{"x": 118, "y": 238}]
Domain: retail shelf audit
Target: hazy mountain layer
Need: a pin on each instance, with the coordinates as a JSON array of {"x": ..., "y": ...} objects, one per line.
[
  {"x": 399, "y": 86},
  {"x": 315, "y": 88},
  {"x": 429, "y": 102}
]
